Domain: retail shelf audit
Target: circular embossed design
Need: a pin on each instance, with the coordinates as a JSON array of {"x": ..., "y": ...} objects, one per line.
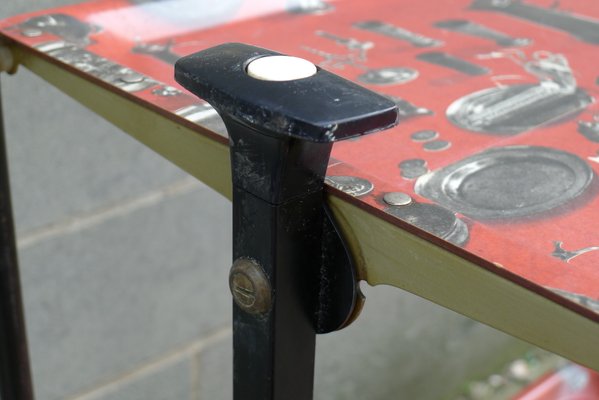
[
  {"x": 351, "y": 185},
  {"x": 434, "y": 219},
  {"x": 397, "y": 199},
  {"x": 425, "y": 135},
  {"x": 508, "y": 182}
]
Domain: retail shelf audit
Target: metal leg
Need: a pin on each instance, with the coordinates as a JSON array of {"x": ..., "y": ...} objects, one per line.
[
  {"x": 276, "y": 251},
  {"x": 15, "y": 375},
  {"x": 290, "y": 279}
]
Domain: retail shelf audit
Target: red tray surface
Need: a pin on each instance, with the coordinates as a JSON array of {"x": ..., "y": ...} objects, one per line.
[{"x": 507, "y": 174}]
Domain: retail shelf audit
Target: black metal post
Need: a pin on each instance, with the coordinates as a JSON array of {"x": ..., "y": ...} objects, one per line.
[
  {"x": 274, "y": 349},
  {"x": 15, "y": 375},
  {"x": 281, "y": 134}
]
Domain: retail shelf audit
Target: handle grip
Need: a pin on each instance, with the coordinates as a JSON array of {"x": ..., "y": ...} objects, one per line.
[{"x": 321, "y": 108}]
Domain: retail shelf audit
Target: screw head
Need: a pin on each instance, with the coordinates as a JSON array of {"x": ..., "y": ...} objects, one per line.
[{"x": 250, "y": 286}]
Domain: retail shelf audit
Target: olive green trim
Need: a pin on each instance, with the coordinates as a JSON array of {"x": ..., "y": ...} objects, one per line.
[
  {"x": 389, "y": 255},
  {"x": 200, "y": 156}
]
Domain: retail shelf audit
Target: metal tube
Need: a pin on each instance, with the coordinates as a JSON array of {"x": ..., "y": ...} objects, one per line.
[{"x": 15, "y": 374}]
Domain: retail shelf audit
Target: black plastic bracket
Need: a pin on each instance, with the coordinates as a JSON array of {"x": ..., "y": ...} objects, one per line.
[{"x": 292, "y": 276}]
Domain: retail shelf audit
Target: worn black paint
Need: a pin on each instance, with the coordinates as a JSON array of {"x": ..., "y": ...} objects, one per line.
[
  {"x": 322, "y": 108},
  {"x": 281, "y": 135}
]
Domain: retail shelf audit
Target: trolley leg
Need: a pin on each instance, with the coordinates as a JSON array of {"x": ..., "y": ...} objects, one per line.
[
  {"x": 15, "y": 374},
  {"x": 291, "y": 276}
]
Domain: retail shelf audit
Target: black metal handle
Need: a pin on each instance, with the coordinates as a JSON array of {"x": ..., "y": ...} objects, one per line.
[
  {"x": 281, "y": 135},
  {"x": 320, "y": 108}
]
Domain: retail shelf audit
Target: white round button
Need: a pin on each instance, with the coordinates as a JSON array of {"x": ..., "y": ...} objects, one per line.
[{"x": 280, "y": 68}]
